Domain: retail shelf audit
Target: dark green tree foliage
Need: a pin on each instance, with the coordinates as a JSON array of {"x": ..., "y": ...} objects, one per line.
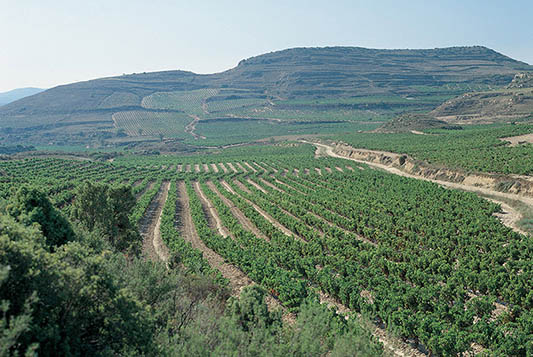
[
  {"x": 250, "y": 311},
  {"x": 106, "y": 209},
  {"x": 77, "y": 306},
  {"x": 29, "y": 205}
]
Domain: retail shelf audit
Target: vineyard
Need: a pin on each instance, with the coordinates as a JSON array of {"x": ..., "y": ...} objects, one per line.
[
  {"x": 432, "y": 266},
  {"x": 470, "y": 148},
  {"x": 187, "y": 101},
  {"x": 139, "y": 123}
]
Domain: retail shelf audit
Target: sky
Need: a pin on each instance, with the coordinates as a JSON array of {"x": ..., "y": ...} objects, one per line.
[{"x": 45, "y": 43}]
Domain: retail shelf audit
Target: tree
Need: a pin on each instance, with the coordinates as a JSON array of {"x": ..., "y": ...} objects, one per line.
[
  {"x": 29, "y": 205},
  {"x": 66, "y": 302},
  {"x": 105, "y": 209},
  {"x": 250, "y": 311}
]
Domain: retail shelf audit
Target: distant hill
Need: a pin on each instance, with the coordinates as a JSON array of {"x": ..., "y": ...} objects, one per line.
[
  {"x": 513, "y": 102},
  {"x": 16, "y": 94},
  {"x": 294, "y": 85}
]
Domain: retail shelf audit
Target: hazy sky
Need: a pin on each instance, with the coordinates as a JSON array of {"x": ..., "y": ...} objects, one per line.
[{"x": 49, "y": 42}]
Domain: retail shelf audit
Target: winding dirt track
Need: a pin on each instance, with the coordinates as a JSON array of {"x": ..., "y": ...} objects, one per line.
[
  {"x": 153, "y": 246},
  {"x": 192, "y": 126},
  {"x": 510, "y": 216}
]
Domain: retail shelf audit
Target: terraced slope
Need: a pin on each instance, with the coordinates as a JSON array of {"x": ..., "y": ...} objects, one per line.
[{"x": 297, "y": 91}]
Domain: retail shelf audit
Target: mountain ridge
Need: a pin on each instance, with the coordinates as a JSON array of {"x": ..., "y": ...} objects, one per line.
[
  {"x": 352, "y": 80},
  {"x": 18, "y": 93}
]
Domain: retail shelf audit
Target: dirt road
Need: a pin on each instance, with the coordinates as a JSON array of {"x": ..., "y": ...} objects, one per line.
[{"x": 509, "y": 217}]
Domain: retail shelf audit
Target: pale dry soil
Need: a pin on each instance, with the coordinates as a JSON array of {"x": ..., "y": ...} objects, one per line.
[
  {"x": 517, "y": 140},
  {"x": 191, "y": 127},
  {"x": 153, "y": 246},
  {"x": 510, "y": 215}
]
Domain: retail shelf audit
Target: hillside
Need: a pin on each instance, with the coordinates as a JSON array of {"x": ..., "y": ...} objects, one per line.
[
  {"x": 16, "y": 94},
  {"x": 304, "y": 90},
  {"x": 504, "y": 105}
]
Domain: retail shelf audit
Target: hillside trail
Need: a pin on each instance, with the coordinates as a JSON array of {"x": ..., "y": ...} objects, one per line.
[
  {"x": 153, "y": 246},
  {"x": 510, "y": 215},
  {"x": 191, "y": 127}
]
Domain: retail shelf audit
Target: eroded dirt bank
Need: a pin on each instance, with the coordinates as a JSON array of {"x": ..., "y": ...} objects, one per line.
[{"x": 519, "y": 190}]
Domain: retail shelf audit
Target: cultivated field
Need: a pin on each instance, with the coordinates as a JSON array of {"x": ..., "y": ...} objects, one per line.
[{"x": 433, "y": 267}]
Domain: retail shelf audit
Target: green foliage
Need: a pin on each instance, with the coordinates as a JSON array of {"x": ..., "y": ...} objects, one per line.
[
  {"x": 250, "y": 311},
  {"x": 475, "y": 148},
  {"x": 30, "y": 205},
  {"x": 79, "y": 307},
  {"x": 14, "y": 326},
  {"x": 182, "y": 251},
  {"x": 106, "y": 208}
]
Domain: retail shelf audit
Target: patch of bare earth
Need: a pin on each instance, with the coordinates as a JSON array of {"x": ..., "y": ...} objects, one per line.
[
  {"x": 215, "y": 168},
  {"x": 520, "y": 139},
  {"x": 206, "y": 168},
  {"x": 153, "y": 246}
]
